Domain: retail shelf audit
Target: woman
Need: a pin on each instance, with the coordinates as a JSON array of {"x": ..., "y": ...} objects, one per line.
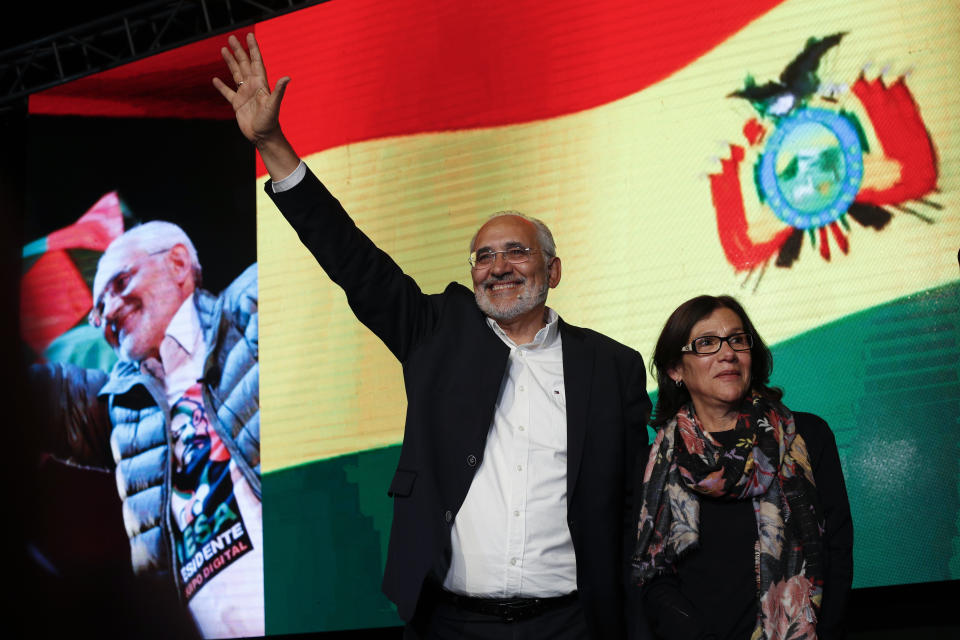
[{"x": 744, "y": 528}]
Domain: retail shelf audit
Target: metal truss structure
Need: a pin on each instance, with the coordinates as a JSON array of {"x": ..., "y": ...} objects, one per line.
[{"x": 140, "y": 31}]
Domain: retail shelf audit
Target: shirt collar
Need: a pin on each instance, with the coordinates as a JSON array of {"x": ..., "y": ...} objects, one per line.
[
  {"x": 184, "y": 327},
  {"x": 546, "y": 336}
]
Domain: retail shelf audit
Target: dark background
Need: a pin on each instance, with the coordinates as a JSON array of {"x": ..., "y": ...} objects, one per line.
[{"x": 36, "y": 20}]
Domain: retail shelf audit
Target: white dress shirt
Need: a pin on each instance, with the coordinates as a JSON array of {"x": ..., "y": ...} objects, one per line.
[
  {"x": 292, "y": 180},
  {"x": 510, "y": 537}
]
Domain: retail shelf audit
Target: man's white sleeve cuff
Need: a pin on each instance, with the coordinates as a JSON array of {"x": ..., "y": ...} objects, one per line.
[{"x": 291, "y": 180}]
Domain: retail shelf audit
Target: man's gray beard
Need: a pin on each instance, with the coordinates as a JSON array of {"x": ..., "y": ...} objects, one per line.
[{"x": 523, "y": 304}]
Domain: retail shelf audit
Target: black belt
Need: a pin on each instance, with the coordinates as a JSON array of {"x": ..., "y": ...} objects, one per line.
[{"x": 507, "y": 609}]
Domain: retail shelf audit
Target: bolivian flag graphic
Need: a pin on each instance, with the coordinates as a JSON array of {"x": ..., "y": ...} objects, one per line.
[{"x": 801, "y": 155}]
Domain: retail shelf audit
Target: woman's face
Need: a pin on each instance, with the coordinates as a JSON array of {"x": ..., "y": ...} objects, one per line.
[{"x": 716, "y": 381}]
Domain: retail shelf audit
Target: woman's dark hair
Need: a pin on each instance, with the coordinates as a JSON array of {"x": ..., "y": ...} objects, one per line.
[{"x": 676, "y": 333}]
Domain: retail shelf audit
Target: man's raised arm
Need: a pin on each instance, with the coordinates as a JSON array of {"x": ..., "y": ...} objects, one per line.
[
  {"x": 382, "y": 297},
  {"x": 69, "y": 418},
  {"x": 256, "y": 107}
]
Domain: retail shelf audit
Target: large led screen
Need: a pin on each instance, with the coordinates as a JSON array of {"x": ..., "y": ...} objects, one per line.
[{"x": 801, "y": 155}]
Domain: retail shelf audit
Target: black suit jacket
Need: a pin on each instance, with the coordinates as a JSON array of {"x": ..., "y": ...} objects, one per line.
[{"x": 453, "y": 366}]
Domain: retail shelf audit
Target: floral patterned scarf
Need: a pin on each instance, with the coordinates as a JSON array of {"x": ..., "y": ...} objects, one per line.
[{"x": 768, "y": 464}]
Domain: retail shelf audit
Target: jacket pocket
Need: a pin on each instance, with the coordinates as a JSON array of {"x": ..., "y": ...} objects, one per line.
[{"x": 402, "y": 484}]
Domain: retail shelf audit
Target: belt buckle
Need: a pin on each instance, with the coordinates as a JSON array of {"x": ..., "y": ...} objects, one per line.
[{"x": 518, "y": 609}]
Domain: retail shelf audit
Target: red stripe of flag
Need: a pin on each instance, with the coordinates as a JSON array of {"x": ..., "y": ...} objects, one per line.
[{"x": 368, "y": 69}]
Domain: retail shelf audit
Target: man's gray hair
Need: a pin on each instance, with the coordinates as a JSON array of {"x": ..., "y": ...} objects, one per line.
[
  {"x": 159, "y": 235},
  {"x": 544, "y": 236}
]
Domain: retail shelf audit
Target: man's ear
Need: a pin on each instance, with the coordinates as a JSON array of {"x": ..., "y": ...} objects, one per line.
[
  {"x": 553, "y": 272},
  {"x": 180, "y": 266}
]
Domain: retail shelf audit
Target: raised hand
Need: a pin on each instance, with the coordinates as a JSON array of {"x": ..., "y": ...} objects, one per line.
[{"x": 256, "y": 107}]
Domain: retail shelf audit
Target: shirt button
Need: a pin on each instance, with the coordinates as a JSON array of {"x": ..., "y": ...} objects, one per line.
[
  {"x": 516, "y": 514},
  {"x": 521, "y": 428},
  {"x": 513, "y": 561},
  {"x": 472, "y": 460},
  {"x": 448, "y": 516},
  {"x": 522, "y": 389},
  {"x": 519, "y": 467}
]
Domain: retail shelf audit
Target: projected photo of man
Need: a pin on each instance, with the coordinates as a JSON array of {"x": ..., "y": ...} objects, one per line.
[{"x": 176, "y": 419}]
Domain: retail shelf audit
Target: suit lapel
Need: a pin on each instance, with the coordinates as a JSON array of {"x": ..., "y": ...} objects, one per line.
[
  {"x": 488, "y": 356},
  {"x": 578, "y": 360}
]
